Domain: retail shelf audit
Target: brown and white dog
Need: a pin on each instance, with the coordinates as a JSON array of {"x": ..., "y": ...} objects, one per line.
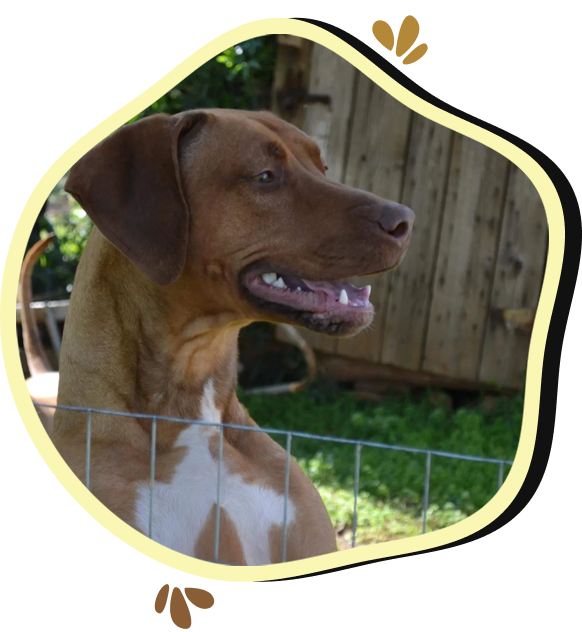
[
  {"x": 43, "y": 382},
  {"x": 205, "y": 222}
]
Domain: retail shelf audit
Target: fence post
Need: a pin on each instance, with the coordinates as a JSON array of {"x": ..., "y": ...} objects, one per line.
[
  {"x": 426, "y": 491},
  {"x": 356, "y": 492},
  {"x": 152, "y": 472},
  {"x": 287, "y": 472},
  {"x": 217, "y": 523},
  {"x": 88, "y": 450}
]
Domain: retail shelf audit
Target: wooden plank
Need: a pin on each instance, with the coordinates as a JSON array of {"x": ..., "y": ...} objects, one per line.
[
  {"x": 328, "y": 125},
  {"x": 515, "y": 317},
  {"x": 290, "y": 40},
  {"x": 291, "y": 77},
  {"x": 466, "y": 260},
  {"x": 352, "y": 370},
  {"x": 376, "y": 161},
  {"x": 357, "y": 168},
  {"x": 409, "y": 291},
  {"x": 518, "y": 278}
]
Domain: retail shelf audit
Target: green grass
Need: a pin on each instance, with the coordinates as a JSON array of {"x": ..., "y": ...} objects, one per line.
[{"x": 392, "y": 483}]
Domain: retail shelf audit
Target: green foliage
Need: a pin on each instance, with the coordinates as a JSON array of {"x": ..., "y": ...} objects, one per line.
[
  {"x": 239, "y": 78},
  {"x": 391, "y": 482},
  {"x": 53, "y": 275}
]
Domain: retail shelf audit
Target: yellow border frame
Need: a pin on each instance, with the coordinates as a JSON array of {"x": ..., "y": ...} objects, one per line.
[{"x": 187, "y": 564}]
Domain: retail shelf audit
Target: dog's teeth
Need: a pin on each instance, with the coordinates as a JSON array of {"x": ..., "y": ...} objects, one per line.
[
  {"x": 368, "y": 290},
  {"x": 280, "y": 283},
  {"x": 343, "y": 299},
  {"x": 269, "y": 278},
  {"x": 298, "y": 289}
]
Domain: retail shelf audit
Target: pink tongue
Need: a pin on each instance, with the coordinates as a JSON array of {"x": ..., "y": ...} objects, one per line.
[
  {"x": 334, "y": 289},
  {"x": 322, "y": 286}
]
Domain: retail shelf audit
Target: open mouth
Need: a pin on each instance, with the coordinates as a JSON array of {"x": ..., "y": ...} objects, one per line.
[{"x": 333, "y": 307}]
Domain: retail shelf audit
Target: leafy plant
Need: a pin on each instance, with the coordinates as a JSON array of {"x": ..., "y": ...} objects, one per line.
[
  {"x": 54, "y": 273},
  {"x": 240, "y": 78}
]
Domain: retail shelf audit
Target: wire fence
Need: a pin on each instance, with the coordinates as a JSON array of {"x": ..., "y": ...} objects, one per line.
[{"x": 289, "y": 436}]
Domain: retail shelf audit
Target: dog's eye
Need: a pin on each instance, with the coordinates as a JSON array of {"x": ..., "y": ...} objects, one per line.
[{"x": 265, "y": 177}]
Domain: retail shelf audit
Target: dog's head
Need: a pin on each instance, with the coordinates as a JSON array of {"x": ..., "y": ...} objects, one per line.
[{"x": 236, "y": 206}]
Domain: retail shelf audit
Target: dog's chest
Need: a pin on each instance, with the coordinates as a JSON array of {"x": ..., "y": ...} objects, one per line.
[{"x": 182, "y": 507}]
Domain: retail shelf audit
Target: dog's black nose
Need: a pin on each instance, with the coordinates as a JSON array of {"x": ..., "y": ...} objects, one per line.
[{"x": 397, "y": 221}]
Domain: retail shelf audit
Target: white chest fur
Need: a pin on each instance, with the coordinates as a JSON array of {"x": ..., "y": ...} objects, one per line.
[{"x": 181, "y": 507}]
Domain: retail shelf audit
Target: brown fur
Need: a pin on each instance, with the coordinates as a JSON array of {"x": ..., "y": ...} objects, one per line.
[
  {"x": 157, "y": 302},
  {"x": 43, "y": 381},
  {"x": 232, "y": 551}
]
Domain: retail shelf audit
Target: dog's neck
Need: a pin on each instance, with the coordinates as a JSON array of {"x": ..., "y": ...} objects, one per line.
[
  {"x": 174, "y": 365},
  {"x": 166, "y": 349}
]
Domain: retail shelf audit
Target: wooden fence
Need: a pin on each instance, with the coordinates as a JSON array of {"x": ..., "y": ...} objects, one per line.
[{"x": 460, "y": 305}]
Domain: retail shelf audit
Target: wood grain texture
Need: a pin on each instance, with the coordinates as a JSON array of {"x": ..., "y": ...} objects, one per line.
[
  {"x": 410, "y": 285},
  {"x": 466, "y": 259},
  {"x": 518, "y": 278}
]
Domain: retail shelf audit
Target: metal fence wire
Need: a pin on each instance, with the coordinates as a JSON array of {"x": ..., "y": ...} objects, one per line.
[{"x": 289, "y": 435}]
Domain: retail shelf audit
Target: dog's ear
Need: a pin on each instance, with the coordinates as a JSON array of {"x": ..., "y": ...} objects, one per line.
[{"x": 130, "y": 186}]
